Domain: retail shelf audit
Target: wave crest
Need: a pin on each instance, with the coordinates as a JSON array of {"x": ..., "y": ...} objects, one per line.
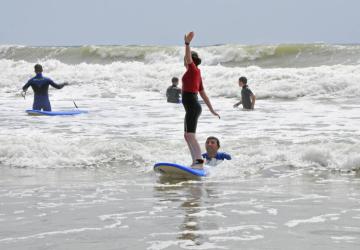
[{"x": 230, "y": 55}]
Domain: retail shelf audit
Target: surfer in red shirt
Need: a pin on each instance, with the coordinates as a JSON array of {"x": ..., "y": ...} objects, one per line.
[{"x": 192, "y": 85}]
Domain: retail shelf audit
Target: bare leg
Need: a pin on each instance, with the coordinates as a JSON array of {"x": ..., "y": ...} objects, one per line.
[
  {"x": 193, "y": 145},
  {"x": 189, "y": 146}
]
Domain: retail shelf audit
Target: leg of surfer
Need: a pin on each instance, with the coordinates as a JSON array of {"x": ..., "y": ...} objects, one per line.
[
  {"x": 194, "y": 146},
  {"x": 193, "y": 111},
  {"x": 189, "y": 146}
]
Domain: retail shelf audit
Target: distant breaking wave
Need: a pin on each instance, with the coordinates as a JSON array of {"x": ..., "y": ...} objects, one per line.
[{"x": 267, "y": 56}]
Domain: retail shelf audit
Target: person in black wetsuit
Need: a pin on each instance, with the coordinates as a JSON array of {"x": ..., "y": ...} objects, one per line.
[
  {"x": 173, "y": 92},
  {"x": 40, "y": 86},
  {"x": 247, "y": 96}
]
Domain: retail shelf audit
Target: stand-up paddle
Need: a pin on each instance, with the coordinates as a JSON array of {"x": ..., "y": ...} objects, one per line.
[{"x": 75, "y": 104}]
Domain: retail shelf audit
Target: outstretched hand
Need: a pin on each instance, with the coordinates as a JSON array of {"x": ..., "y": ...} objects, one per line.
[
  {"x": 189, "y": 36},
  {"x": 23, "y": 93},
  {"x": 216, "y": 114}
]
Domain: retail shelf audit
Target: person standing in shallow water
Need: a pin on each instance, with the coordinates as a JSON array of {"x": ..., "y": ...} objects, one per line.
[
  {"x": 40, "y": 86},
  {"x": 173, "y": 92},
  {"x": 192, "y": 85},
  {"x": 247, "y": 96}
]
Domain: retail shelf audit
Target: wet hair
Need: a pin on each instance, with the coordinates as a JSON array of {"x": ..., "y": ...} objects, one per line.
[
  {"x": 243, "y": 79},
  {"x": 38, "y": 68},
  {"x": 214, "y": 138},
  {"x": 174, "y": 79},
  {"x": 195, "y": 57}
]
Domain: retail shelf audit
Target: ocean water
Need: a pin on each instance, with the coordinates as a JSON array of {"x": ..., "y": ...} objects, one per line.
[{"x": 86, "y": 182}]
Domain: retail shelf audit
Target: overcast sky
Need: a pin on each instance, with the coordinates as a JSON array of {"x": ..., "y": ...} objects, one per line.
[{"x": 163, "y": 22}]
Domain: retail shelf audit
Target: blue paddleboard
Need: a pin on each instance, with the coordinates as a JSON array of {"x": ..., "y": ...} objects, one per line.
[
  {"x": 53, "y": 113},
  {"x": 173, "y": 169}
]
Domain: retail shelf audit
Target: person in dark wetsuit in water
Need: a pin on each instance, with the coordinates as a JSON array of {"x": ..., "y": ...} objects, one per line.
[
  {"x": 173, "y": 92},
  {"x": 247, "y": 96},
  {"x": 192, "y": 85},
  {"x": 40, "y": 86}
]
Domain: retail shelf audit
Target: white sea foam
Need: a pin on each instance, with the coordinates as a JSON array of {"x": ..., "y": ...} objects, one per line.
[
  {"x": 221, "y": 230},
  {"x": 315, "y": 219},
  {"x": 352, "y": 163},
  {"x": 184, "y": 244},
  {"x": 110, "y": 80},
  {"x": 206, "y": 213},
  {"x": 305, "y": 197},
  {"x": 237, "y": 238},
  {"x": 344, "y": 238},
  {"x": 272, "y": 211},
  {"x": 243, "y": 212},
  {"x": 317, "y": 156},
  {"x": 46, "y": 234}
]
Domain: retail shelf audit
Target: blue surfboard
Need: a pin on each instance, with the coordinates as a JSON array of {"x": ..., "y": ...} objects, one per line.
[
  {"x": 180, "y": 171},
  {"x": 54, "y": 113}
]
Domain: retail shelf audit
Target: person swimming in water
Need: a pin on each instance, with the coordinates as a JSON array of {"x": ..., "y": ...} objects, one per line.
[
  {"x": 212, "y": 156},
  {"x": 192, "y": 85},
  {"x": 40, "y": 86}
]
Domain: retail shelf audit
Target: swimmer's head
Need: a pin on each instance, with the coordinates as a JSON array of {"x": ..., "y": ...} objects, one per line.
[
  {"x": 212, "y": 144},
  {"x": 38, "y": 68}
]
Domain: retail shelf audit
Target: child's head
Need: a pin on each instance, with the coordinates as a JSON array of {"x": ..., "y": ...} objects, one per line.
[
  {"x": 175, "y": 81},
  {"x": 242, "y": 81}
]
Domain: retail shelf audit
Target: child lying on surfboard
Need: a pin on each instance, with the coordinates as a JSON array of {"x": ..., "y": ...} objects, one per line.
[{"x": 212, "y": 156}]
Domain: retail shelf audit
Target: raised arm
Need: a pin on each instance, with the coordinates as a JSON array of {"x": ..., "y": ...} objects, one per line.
[
  {"x": 208, "y": 103},
  {"x": 188, "y": 37}
]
